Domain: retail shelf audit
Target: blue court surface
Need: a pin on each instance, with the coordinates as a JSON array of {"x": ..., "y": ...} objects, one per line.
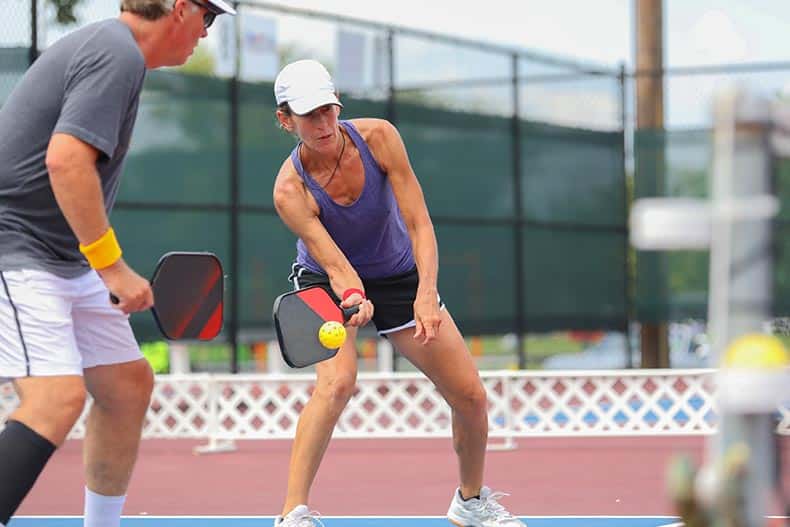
[{"x": 347, "y": 521}]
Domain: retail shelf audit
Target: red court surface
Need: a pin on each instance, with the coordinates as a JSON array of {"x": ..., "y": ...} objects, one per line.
[{"x": 546, "y": 476}]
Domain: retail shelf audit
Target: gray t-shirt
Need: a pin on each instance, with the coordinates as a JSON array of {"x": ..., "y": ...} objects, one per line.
[{"x": 86, "y": 85}]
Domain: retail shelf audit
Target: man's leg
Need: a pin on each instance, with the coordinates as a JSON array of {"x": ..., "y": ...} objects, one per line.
[
  {"x": 121, "y": 395},
  {"x": 120, "y": 381},
  {"x": 37, "y": 348},
  {"x": 49, "y": 407}
]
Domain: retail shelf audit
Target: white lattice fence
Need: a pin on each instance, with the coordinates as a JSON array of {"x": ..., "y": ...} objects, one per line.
[
  {"x": 521, "y": 404},
  {"x": 614, "y": 403}
]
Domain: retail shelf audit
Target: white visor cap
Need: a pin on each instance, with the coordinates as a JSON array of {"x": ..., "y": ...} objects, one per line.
[
  {"x": 305, "y": 85},
  {"x": 222, "y": 6}
]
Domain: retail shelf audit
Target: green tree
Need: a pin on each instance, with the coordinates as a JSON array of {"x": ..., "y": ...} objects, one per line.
[{"x": 200, "y": 63}]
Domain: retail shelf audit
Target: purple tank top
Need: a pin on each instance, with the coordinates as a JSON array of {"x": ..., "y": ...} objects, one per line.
[{"x": 370, "y": 231}]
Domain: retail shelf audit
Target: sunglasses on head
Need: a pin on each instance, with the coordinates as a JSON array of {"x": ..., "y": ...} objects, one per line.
[{"x": 209, "y": 15}]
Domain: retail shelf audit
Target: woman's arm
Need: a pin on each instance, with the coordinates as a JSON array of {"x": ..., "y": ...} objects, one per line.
[
  {"x": 299, "y": 212},
  {"x": 390, "y": 152}
]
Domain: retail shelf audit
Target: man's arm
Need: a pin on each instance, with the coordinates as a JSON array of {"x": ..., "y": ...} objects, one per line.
[{"x": 77, "y": 188}]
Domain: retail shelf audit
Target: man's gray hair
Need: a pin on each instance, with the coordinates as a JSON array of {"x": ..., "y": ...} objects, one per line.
[{"x": 148, "y": 9}]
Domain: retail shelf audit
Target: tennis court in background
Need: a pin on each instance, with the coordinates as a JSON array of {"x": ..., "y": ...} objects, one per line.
[
  {"x": 552, "y": 482},
  {"x": 560, "y": 471}
]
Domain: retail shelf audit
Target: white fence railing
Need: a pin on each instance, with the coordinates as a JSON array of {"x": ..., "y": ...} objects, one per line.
[{"x": 521, "y": 404}]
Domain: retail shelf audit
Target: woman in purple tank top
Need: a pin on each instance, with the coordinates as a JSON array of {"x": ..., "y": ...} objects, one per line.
[{"x": 349, "y": 193}]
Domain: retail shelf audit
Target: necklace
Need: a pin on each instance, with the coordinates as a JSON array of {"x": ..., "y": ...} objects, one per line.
[{"x": 342, "y": 149}]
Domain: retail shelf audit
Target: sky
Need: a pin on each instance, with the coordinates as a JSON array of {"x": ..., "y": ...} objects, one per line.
[
  {"x": 696, "y": 32},
  {"x": 555, "y": 26},
  {"x": 601, "y": 32}
]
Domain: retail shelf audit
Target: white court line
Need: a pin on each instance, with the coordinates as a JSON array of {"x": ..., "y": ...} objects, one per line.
[
  {"x": 260, "y": 516},
  {"x": 681, "y": 524},
  {"x": 248, "y": 517}
]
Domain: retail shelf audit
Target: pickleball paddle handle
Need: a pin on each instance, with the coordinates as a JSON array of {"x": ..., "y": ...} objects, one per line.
[
  {"x": 349, "y": 312},
  {"x": 114, "y": 300}
]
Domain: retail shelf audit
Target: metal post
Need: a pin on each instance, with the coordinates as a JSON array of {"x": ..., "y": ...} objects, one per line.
[
  {"x": 518, "y": 227},
  {"x": 274, "y": 359},
  {"x": 33, "y": 31},
  {"x": 740, "y": 288},
  {"x": 179, "y": 358},
  {"x": 741, "y": 278},
  {"x": 385, "y": 353},
  {"x": 391, "y": 114},
  {"x": 215, "y": 444},
  {"x": 628, "y": 288},
  {"x": 739, "y": 475},
  {"x": 233, "y": 329}
]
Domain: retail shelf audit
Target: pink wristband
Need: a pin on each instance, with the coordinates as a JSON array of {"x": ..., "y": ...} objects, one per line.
[{"x": 348, "y": 292}]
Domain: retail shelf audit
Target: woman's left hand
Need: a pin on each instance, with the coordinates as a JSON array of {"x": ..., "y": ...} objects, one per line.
[{"x": 427, "y": 317}]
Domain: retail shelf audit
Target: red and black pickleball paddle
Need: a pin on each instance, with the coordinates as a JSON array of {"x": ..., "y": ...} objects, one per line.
[
  {"x": 298, "y": 315},
  {"x": 188, "y": 295}
]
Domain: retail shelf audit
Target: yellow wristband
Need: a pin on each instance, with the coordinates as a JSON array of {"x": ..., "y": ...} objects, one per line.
[{"x": 103, "y": 252}]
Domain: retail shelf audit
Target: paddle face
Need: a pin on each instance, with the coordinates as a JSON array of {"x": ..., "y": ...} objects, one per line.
[
  {"x": 298, "y": 315},
  {"x": 188, "y": 292}
]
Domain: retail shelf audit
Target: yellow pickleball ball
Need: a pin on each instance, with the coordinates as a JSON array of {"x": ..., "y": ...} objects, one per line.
[
  {"x": 757, "y": 351},
  {"x": 332, "y": 334}
]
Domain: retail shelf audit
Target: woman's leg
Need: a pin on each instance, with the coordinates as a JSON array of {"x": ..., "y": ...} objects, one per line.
[
  {"x": 447, "y": 362},
  {"x": 335, "y": 384}
]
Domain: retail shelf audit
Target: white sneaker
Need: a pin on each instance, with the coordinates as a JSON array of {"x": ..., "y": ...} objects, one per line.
[
  {"x": 300, "y": 516},
  {"x": 484, "y": 511}
]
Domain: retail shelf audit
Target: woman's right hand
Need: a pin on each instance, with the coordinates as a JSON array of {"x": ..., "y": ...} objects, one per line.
[{"x": 365, "y": 313}]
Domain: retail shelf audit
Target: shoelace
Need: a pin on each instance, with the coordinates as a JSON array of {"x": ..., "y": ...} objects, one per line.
[
  {"x": 491, "y": 506},
  {"x": 310, "y": 519}
]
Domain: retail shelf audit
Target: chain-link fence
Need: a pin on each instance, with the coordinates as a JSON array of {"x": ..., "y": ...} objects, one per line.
[{"x": 524, "y": 159}]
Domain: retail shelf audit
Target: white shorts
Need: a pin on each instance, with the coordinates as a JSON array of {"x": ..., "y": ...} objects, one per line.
[{"x": 59, "y": 326}]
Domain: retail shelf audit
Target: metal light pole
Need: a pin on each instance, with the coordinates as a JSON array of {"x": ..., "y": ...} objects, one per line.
[{"x": 734, "y": 486}]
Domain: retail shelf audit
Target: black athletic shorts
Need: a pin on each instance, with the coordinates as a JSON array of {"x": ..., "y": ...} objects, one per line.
[{"x": 392, "y": 297}]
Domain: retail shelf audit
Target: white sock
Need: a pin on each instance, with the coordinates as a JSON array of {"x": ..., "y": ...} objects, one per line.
[{"x": 102, "y": 511}]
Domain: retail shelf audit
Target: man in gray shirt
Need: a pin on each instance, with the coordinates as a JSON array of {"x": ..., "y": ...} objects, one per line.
[{"x": 64, "y": 134}]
